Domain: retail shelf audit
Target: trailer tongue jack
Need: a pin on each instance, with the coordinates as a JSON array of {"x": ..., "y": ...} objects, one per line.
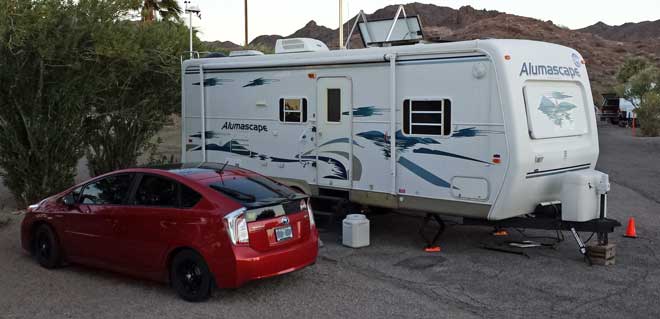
[
  {"x": 601, "y": 226},
  {"x": 583, "y": 248}
]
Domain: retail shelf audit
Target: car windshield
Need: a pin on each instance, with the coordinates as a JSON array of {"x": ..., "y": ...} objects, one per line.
[{"x": 254, "y": 191}]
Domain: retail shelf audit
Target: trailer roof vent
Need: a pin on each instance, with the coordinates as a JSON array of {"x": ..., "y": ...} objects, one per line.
[
  {"x": 299, "y": 45},
  {"x": 245, "y": 53}
]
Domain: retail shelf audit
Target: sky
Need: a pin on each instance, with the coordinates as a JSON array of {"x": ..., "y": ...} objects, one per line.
[{"x": 223, "y": 19}]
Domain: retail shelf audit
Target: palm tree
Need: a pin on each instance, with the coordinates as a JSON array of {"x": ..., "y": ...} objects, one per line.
[{"x": 167, "y": 9}]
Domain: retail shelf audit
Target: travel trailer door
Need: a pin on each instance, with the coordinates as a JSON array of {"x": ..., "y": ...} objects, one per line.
[{"x": 334, "y": 132}]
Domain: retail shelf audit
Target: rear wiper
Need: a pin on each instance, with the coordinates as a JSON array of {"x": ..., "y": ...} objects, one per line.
[
  {"x": 234, "y": 193},
  {"x": 273, "y": 200}
]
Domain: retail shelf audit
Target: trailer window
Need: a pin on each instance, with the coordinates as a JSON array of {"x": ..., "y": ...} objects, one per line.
[
  {"x": 293, "y": 110},
  {"x": 334, "y": 105},
  {"x": 555, "y": 109},
  {"x": 427, "y": 117}
]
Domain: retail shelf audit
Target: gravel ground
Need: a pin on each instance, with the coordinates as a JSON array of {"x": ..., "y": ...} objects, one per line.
[{"x": 393, "y": 277}]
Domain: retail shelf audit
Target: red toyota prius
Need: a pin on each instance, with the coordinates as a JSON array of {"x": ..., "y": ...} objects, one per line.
[{"x": 196, "y": 226}]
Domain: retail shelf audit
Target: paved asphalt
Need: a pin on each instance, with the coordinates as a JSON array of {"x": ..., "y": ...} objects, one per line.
[{"x": 393, "y": 277}]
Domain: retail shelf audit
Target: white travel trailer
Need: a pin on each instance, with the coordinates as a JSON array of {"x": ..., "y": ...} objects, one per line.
[{"x": 483, "y": 129}]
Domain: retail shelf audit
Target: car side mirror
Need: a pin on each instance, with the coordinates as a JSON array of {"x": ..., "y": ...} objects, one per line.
[{"x": 69, "y": 200}]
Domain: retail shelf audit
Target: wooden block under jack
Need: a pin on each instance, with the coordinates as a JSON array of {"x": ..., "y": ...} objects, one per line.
[
  {"x": 602, "y": 255},
  {"x": 603, "y": 262}
]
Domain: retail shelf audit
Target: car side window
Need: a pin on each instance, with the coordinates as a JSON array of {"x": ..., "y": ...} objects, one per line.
[
  {"x": 156, "y": 191},
  {"x": 111, "y": 190},
  {"x": 76, "y": 193},
  {"x": 189, "y": 197}
]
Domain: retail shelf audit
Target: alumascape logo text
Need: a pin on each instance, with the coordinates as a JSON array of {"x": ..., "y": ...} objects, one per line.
[
  {"x": 245, "y": 127},
  {"x": 530, "y": 69}
]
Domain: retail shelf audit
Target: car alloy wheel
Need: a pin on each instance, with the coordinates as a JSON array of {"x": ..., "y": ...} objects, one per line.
[
  {"x": 46, "y": 247},
  {"x": 190, "y": 276}
]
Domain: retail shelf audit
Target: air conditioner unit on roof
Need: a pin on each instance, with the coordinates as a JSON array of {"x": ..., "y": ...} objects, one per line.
[
  {"x": 245, "y": 53},
  {"x": 299, "y": 45}
]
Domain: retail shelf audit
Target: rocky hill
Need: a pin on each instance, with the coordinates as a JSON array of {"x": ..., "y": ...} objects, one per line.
[
  {"x": 603, "y": 47},
  {"x": 642, "y": 31}
]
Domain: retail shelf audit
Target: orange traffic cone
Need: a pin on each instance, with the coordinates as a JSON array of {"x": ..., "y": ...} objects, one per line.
[{"x": 630, "y": 231}]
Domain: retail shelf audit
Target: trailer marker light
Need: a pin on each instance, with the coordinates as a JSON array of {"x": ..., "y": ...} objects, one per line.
[
  {"x": 501, "y": 232},
  {"x": 497, "y": 159},
  {"x": 432, "y": 249},
  {"x": 507, "y": 57},
  {"x": 311, "y": 75}
]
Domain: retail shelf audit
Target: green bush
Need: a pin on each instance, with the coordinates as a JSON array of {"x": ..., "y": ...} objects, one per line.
[
  {"x": 46, "y": 63},
  {"x": 77, "y": 77},
  {"x": 141, "y": 88},
  {"x": 639, "y": 83},
  {"x": 649, "y": 114}
]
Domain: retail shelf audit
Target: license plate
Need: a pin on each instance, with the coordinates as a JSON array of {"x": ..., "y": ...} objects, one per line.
[{"x": 283, "y": 233}]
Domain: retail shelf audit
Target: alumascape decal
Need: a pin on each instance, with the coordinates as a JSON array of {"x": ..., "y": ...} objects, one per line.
[
  {"x": 529, "y": 68},
  {"x": 244, "y": 127}
]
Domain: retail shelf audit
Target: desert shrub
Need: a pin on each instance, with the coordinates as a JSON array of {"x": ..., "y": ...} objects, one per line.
[
  {"x": 649, "y": 114},
  {"x": 639, "y": 83},
  {"x": 47, "y": 67},
  {"x": 141, "y": 90},
  {"x": 76, "y": 77}
]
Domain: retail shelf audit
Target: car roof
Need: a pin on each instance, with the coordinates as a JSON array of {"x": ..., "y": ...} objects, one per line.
[{"x": 198, "y": 171}]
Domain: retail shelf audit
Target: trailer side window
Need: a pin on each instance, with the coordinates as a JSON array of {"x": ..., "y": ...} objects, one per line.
[
  {"x": 334, "y": 105},
  {"x": 293, "y": 110},
  {"x": 427, "y": 117}
]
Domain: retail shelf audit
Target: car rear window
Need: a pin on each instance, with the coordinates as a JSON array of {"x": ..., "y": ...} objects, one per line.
[
  {"x": 252, "y": 191},
  {"x": 189, "y": 197}
]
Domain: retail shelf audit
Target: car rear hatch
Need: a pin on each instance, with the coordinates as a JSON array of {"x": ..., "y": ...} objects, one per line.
[
  {"x": 276, "y": 216},
  {"x": 280, "y": 225}
]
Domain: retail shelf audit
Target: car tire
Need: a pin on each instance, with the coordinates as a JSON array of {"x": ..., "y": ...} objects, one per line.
[
  {"x": 190, "y": 276},
  {"x": 47, "y": 248}
]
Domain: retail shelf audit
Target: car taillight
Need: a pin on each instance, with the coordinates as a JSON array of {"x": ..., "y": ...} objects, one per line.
[
  {"x": 305, "y": 205},
  {"x": 237, "y": 227}
]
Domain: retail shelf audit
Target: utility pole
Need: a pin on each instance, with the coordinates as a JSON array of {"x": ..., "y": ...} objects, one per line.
[
  {"x": 246, "y": 23},
  {"x": 341, "y": 24},
  {"x": 190, "y": 10},
  {"x": 190, "y": 26}
]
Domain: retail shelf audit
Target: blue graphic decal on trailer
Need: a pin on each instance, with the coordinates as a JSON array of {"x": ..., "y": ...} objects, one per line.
[
  {"x": 260, "y": 81},
  {"x": 338, "y": 140},
  {"x": 213, "y": 81},
  {"x": 230, "y": 147},
  {"x": 366, "y": 111},
  {"x": 283, "y": 160},
  {"x": 402, "y": 142},
  {"x": 472, "y": 132},
  {"x": 423, "y": 173},
  {"x": 207, "y": 134},
  {"x": 443, "y": 153},
  {"x": 339, "y": 171}
]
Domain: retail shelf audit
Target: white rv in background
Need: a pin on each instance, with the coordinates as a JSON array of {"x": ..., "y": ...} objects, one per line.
[{"x": 485, "y": 129}]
